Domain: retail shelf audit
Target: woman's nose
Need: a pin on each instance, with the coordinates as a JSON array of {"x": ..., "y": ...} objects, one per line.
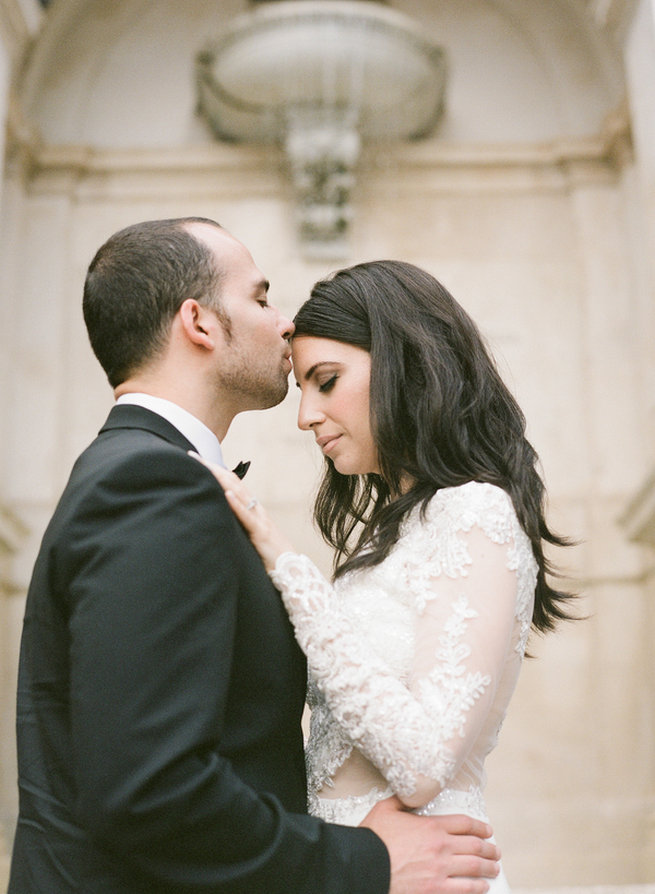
[{"x": 308, "y": 414}]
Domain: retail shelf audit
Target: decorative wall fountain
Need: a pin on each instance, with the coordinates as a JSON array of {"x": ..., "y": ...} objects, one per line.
[{"x": 320, "y": 79}]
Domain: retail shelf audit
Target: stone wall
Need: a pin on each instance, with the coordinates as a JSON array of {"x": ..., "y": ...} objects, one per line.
[{"x": 545, "y": 236}]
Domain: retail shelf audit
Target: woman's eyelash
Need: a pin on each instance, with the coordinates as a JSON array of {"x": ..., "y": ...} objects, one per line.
[{"x": 327, "y": 386}]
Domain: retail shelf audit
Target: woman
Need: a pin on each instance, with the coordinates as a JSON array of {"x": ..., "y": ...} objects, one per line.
[{"x": 432, "y": 501}]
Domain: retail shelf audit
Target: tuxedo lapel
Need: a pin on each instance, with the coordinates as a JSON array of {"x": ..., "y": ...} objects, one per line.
[{"x": 131, "y": 416}]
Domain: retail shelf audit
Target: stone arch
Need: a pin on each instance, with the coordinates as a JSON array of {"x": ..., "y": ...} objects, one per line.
[{"x": 521, "y": 70}]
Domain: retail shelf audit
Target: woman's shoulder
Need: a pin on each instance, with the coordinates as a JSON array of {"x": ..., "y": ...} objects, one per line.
[
  {"x": 471, "y": 495},
  {"x": 439, "y": 539},
  {"x": 475, "y": 503}
]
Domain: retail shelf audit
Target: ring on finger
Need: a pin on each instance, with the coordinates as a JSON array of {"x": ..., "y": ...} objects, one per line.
[{"x": 251, "y": 504}]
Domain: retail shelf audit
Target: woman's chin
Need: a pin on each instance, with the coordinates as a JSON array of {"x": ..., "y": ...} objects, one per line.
[
  {"x": 343, "y": 468},
  {"x": 349, "y": 468}
]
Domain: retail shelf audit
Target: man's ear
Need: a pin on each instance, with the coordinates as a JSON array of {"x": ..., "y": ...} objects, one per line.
[{"x": 198, "y": 323}]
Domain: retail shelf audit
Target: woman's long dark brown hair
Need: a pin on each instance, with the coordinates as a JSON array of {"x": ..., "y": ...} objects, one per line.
[{"x": 440, "y": 415}]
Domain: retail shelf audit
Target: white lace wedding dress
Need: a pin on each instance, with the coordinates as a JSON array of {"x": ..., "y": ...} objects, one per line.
[{"x": 413, "y": 662}]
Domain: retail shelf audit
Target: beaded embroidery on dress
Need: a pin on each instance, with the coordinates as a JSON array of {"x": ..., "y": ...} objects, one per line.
[{"x": 413, "y": 662}]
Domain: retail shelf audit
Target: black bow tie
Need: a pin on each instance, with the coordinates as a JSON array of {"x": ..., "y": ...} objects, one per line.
[{"x": 241, "y": 469}]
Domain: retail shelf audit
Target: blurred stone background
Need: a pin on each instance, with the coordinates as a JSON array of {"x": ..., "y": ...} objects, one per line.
[{"x": 532, "y": 199}]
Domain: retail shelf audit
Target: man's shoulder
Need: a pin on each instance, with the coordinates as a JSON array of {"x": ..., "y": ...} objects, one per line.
[
  {"x": 119, "y": 449},
  {"x": 125, "y": 465}
]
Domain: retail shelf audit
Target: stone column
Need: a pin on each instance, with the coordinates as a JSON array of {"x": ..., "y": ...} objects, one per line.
[
  {"x": 639, "y": 59},
  {"x": 12, "y": 533},
  {"x": 638, "y": 521},
  {"x": 19, "y": 20},
  {"x": 638, "y": 517}
]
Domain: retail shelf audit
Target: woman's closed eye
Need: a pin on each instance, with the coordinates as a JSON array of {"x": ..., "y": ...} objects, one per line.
[{"x": 328, "y": 385}]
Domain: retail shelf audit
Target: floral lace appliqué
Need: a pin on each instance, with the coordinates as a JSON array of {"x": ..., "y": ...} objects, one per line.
[
  {"x": 449, "y": 691},
  {"x": 360, "y": 640}
]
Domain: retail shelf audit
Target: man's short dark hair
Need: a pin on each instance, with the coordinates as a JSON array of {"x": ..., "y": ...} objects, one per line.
[{"x": 135, "y": 285}]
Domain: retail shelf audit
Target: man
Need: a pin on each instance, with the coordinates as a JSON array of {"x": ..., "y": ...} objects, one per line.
[{"x": 160, "y": 686}]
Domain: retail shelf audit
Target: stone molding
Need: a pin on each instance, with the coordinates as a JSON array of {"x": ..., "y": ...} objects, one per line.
[{"x": 563, "y": 159}]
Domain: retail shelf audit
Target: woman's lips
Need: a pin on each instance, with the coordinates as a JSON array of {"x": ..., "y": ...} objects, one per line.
[{"x": 327, "y": 442}]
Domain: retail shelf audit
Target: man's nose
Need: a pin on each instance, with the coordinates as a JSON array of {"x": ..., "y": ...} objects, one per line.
[{"x": 285, "y": 326}]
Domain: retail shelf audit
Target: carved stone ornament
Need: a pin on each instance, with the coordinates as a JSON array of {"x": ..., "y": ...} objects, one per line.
[{"x": 320, "y": 79}]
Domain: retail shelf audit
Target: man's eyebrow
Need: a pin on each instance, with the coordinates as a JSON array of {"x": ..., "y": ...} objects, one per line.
[{"x": 259, "y": 286}]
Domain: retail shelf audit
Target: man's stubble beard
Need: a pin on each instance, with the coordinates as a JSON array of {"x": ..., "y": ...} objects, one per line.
[
  {"x": 259, "y": 390},
  {"x": 252, "y": 389}
]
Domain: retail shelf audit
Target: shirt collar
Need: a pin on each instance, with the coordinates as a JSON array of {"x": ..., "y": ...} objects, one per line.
[{"x": 202, "y": 438}]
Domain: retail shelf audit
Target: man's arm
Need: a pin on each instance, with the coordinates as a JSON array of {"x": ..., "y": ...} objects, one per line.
[{"x": 149, "y": 570}]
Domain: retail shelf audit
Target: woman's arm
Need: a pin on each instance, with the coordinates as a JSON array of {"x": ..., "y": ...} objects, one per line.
[{"x": 416, "y": 731}]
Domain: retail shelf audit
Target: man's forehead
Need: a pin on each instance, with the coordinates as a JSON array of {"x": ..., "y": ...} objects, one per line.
[
  {"x": 209, "y": 233},
  {"x": 231, "y": 254},
  {"x": 223, "y": 244}
]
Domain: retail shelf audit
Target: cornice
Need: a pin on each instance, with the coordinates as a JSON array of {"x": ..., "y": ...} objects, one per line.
[
  {"x": 606, "y": 148},
  {"x": 554, "y": 164}
]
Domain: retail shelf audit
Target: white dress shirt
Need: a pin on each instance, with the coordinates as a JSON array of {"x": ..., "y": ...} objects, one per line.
[{"x": 202, "y": 438}]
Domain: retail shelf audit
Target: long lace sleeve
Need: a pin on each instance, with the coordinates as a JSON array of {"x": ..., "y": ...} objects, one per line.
[{"x": 465, "y": 574}]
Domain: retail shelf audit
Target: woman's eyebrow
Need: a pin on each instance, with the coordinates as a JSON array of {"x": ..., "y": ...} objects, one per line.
[{"x": 312, "y": 369}]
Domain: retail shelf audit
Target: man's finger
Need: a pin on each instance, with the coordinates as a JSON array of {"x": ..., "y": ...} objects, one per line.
[
  {"x": 467, "y": 866},
  {"x": 460, "y": 824},
  {"x": 479, "y": 847}
]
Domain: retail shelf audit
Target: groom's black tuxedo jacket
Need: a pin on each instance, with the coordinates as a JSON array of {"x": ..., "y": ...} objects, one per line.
[{"x": 160, "y": 693}]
